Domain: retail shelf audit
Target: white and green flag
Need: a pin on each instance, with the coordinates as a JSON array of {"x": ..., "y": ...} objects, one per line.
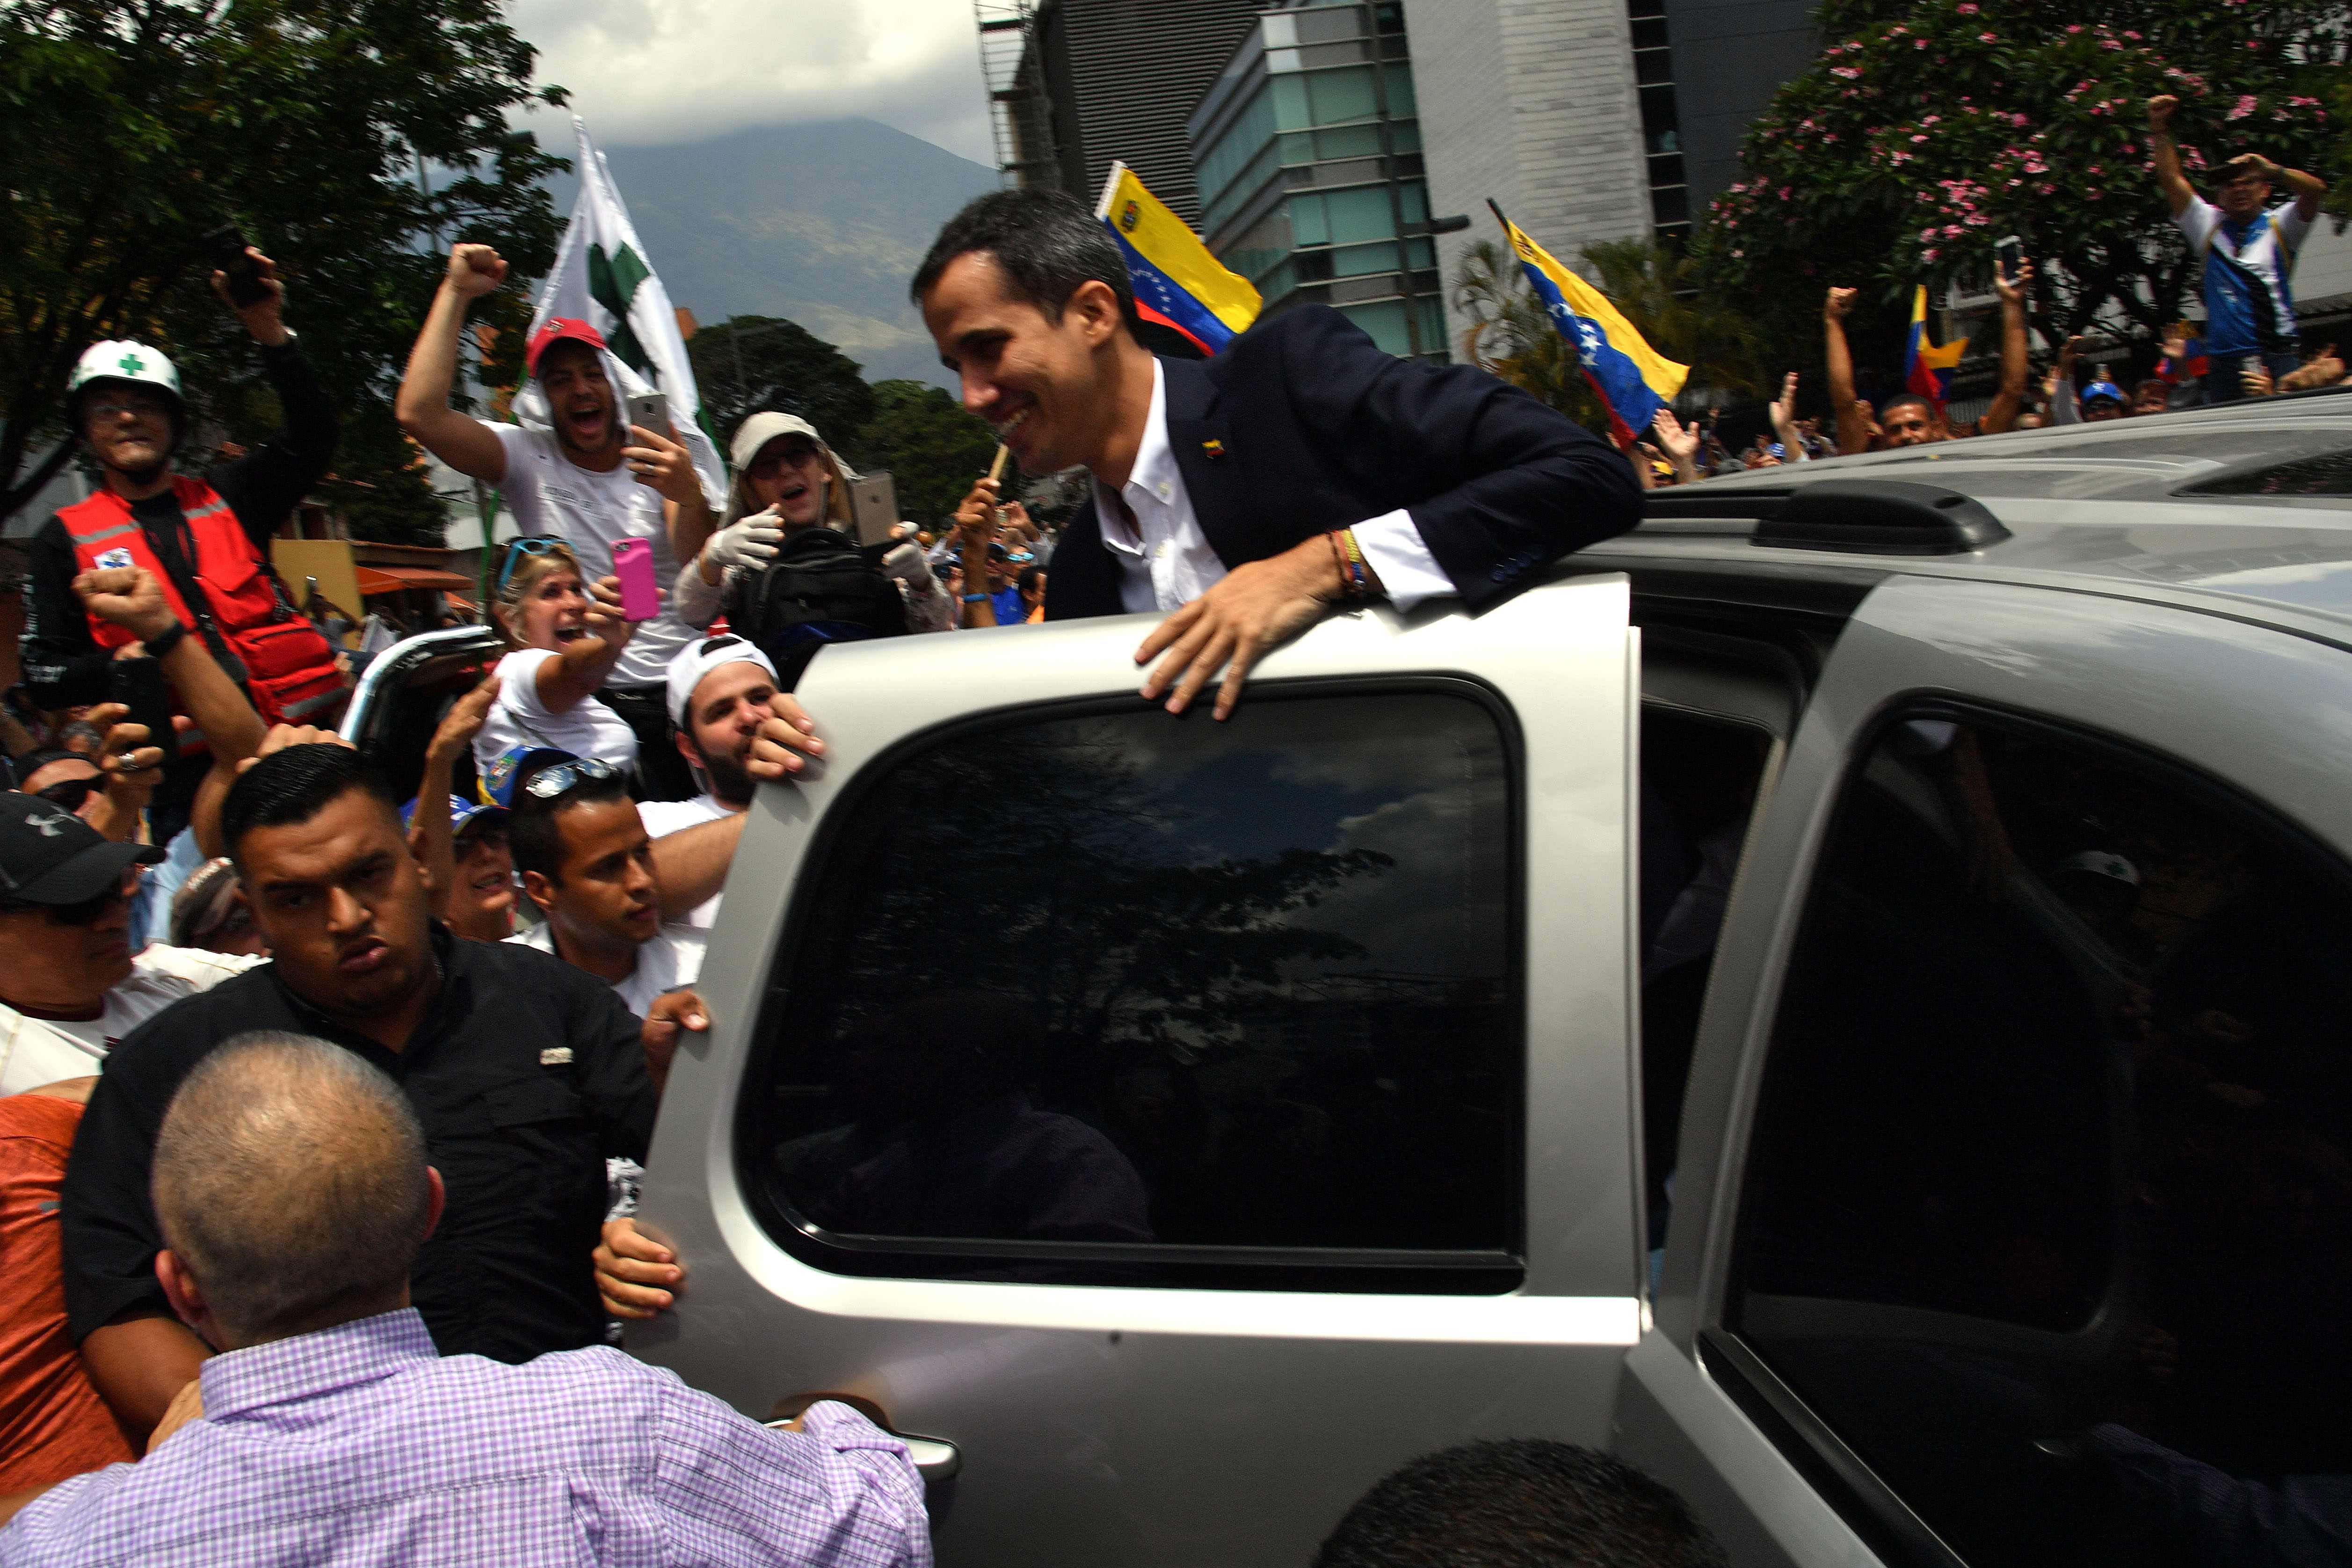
[{"x": 602, "y": 277}]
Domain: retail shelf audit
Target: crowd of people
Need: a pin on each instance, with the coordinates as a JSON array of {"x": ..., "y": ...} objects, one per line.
[
  {"x": 2244, "y": 246},
  {"x": 322, "y": 1110}
]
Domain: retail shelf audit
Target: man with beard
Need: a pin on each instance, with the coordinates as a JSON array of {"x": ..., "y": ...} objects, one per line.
[
  {"x": 527, "y": 1074},
  {"x": 205, "y": 538},
  {"x": 592, "y": 482},
  {"x": 719, "y": 693}
]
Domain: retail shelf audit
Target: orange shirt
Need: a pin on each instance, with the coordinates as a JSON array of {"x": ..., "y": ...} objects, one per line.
[{"x": 52, "y": 1422}]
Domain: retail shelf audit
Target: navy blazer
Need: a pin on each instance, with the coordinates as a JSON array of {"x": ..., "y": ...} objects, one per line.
[{"x": 1302, "y": 425}]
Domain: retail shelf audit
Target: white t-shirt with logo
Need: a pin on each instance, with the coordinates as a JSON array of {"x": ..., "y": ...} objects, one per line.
[
  {"x": 664, "y": 817},
  {"x": 551, "y": 494},
  {"x": 670, "y": 961},
  {"x": 34, "y": 1051},
  {"x": 517, "y": 718}
]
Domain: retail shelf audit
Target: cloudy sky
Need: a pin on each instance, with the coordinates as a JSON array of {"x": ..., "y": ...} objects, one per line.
[{"x": 677, "y": 71}]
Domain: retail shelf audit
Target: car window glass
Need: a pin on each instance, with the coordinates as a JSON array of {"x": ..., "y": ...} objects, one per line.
[
  {"x": 1699, "y": 777},
  {"x": 1116, "y": 979},
  {"x": 2048, "y": 1211}
]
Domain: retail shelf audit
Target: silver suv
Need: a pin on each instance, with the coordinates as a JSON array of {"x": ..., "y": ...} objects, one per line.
[{"x": 1839, "y": 997}]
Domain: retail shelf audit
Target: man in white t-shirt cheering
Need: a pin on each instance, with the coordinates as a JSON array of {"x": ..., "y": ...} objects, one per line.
[
  {"x": 720, "y": 690},
  {"x": 2245, "y": 250},
  {"x": 592, "y": 480},
  {"x": 70, "y": 985}
]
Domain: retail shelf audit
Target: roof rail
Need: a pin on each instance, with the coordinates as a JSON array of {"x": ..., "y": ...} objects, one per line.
[{"x": 1851, "y": 516}]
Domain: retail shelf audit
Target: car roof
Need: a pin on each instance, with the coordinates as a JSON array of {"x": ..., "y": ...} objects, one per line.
[{"x": 2197, "y": 506}]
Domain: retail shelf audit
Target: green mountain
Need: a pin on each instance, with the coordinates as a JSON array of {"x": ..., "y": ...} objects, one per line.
[{"x": 823, "y": 223}]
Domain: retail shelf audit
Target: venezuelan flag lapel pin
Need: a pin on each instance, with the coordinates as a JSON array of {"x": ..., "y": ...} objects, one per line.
[{"x": 1213, "y": 448}]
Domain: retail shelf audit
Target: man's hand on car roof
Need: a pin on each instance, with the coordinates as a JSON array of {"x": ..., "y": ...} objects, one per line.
[
  {"x": 1253, "y": 610},
  {"x": 786, "y": 742}
]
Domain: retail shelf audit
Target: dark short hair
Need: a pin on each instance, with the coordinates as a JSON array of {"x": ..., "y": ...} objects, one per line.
[
  {"x": 1900, "y": 398},
  {"x": 533, "y": 836},
  {"x": 1523, "y": 1503},
  {"x": 295, "y": 785},
  {"x": 1028, "y": 578},
  {"x": 1046, "y": 242},
  {"x": 289, "y": 1179}
]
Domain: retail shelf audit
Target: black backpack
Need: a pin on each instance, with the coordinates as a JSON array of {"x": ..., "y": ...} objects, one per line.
[{"x": 819, "y": 589}]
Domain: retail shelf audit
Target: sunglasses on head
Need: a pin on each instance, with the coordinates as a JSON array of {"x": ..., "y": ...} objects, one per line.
[
  {"x": 67, "y": 794},
  {"x": 549, "y": 783},
  {"x": 517, "y": 551}
]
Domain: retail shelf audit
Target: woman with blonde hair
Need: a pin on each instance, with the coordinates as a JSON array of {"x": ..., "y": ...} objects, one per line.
[{"x": 567, "y": 638}]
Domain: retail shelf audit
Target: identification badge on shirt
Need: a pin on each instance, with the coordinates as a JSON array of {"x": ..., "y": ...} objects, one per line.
[
  {"x": 111, "y": 559},
  {"x": 555, "y": 1057}
]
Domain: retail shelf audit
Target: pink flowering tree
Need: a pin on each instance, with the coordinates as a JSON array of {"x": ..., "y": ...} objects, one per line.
[{"x": 1925, "y": 133}]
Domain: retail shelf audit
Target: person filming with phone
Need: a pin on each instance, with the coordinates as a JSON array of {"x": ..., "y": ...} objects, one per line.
[
  {"x": 206, "y": 537},
  {"x": 567, "y": 636},
  {"x": 601, "y": 478}
]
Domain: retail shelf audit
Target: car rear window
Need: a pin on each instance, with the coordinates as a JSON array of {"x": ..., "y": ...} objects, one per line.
[{"x": 1235, "y": 996}]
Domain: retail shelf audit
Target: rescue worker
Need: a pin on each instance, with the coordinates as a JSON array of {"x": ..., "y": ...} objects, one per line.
[{"x": 206, "y": 538}]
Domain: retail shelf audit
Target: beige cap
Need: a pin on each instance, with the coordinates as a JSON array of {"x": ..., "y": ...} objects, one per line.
[{"x": 763, "y": 427}]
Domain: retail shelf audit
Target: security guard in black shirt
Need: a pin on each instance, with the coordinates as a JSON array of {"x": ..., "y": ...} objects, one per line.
[{"x": 526, "y": 1072}]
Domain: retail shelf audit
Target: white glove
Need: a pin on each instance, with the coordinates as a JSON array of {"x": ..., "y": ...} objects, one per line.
[
  {"x": 751, "y": 542},
  {"x": 906, "y": 564}
]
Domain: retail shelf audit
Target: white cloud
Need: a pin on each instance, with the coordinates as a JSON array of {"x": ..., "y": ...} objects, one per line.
[{"x": 645, "y": 72}]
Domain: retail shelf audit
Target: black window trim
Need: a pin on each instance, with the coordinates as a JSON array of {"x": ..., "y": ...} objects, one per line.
[
  {"x": 1872, "y": 1509},
  {"x": 1366, "y": 1270}
]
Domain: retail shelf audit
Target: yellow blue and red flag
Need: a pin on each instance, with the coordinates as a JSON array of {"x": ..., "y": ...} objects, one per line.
[
  {"x": 1178, "y": 284},
  {"x": 1632, "y": 379},
  {"x": 1926, "y": 369}
]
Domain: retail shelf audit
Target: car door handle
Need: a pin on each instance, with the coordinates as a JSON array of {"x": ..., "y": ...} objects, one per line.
[{"x": 935, "y": 1459}]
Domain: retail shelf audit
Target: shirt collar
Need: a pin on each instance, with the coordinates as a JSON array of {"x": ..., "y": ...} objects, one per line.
[
  {"x": 1154, "y": 477},
  {"x": 365, "y": 1350}
]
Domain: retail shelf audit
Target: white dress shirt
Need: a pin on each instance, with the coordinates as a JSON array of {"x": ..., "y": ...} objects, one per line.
[{"x": 1164, "y": 560}]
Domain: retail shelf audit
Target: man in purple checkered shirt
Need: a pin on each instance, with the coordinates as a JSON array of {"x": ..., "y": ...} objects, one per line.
[{"x": 292, "y": 1192}]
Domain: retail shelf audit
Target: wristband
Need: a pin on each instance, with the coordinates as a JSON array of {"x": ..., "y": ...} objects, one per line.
[
  {"x": 165, "y": 642},
  {"x": 978, "y": 598}
]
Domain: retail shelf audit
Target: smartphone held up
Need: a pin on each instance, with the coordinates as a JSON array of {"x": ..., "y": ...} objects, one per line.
[{"x": 633, "y": 564}]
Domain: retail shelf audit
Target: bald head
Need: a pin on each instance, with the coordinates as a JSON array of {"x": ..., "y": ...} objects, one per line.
[{"x": 292, "y": 1187}]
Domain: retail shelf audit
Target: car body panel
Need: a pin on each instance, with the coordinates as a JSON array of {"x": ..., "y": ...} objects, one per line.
[
  {"x": 1092, "y": 1422},
  {"x": 2202, "y": 689}
]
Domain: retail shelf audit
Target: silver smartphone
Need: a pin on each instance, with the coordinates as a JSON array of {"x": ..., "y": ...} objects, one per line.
[{"x": 651, "y": 410}]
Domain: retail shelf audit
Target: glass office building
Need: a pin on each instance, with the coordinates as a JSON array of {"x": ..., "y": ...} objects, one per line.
[{"x": 1307, "y": 158}]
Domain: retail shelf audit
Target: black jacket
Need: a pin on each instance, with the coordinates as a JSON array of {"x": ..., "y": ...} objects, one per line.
[{"x": 1302, "y": 425}]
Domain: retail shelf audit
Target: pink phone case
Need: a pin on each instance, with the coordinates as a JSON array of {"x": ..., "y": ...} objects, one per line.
[{"x": 633, "y": 564}]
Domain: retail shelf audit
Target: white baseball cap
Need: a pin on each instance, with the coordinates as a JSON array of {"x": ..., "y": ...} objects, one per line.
[{"x": 698, "y": 658}]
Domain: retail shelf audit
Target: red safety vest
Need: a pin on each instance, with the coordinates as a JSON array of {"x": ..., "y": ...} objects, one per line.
[{"x": 266, "y": 646}]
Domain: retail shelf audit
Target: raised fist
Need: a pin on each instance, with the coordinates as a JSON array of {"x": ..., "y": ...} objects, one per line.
[
  {"x": 1839, "y": 302},
  {"x": 2159, "y": 111},
  {"x": 475, "y": 269}
]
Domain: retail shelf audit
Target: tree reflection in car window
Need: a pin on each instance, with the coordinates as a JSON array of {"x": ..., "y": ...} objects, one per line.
[
  {"x": 1116, "y": 978},
  {"x": 2048, "y": 1212}
]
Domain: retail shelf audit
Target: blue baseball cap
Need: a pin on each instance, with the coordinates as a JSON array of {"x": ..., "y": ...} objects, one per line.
[
  {"x": 2099, "y": 389},
  {"x": 463, "y": 813},
  {"x": 509, "y": 768}
]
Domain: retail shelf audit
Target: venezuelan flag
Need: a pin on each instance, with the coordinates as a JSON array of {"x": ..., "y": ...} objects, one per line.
[
  {"x": 1634, "y": 380},
  {"x": 1926, "y": 369},
  {"x": 1178, "y": 284}
]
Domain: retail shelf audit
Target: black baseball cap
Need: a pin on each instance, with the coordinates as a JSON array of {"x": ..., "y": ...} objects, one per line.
[{"x": 49, "y": 855}]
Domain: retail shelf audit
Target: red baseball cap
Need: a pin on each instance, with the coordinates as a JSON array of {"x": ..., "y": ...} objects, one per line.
[{"x": 559, "y": 328}]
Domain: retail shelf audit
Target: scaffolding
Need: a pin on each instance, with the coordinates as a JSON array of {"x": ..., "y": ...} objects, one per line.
[{"x": 1019, "y": 106}]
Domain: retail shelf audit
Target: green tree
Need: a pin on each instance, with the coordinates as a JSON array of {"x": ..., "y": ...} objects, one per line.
[
  {"x": 748, "y": 364},
  {"x": 130, "y": 129},
  {"x": 932, "y": 447},
  {"x": 1655, "y": 288},
  {"x": 1927, "y": 132}
]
